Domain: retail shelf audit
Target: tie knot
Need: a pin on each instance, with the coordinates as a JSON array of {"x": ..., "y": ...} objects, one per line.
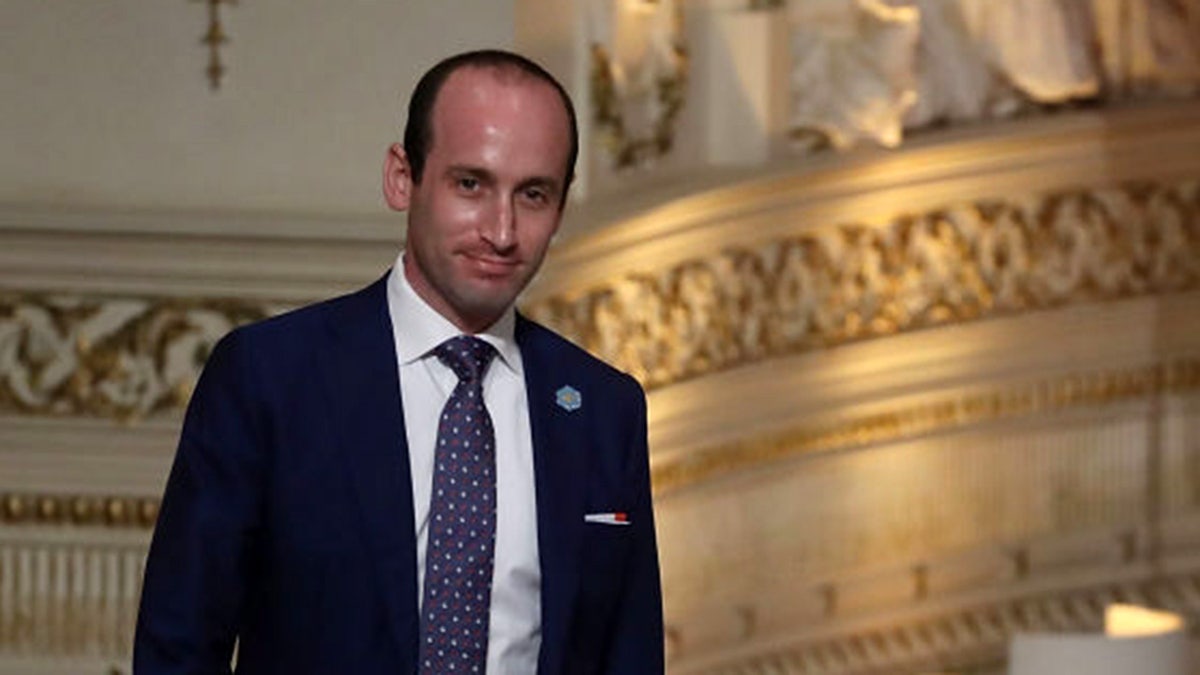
[{"x": 467, "y": 356}]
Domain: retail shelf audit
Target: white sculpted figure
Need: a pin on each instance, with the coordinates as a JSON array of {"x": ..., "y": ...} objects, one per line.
[
  {"x": 956, "y": 77},
  {"x": 1044, "y": 47},
  {"x": 852, "y": 75}
]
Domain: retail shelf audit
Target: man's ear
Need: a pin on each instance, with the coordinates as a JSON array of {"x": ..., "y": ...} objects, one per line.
[{"x": 397, "y": 178}]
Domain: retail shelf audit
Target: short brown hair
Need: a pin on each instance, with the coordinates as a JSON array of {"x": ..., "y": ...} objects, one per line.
[{"x": 418, "y": 130}]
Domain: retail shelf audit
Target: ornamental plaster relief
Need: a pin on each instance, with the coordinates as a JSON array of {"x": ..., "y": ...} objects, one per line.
[
  {"x": 118, "y": 358},
  {"x": 132, "y": 356},
  {"x": 836, "y": 284}
]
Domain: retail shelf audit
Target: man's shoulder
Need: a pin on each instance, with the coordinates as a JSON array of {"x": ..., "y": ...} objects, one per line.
[
  {"x": 318, "y": 315},
  {"x": 567, "y": 355},
  {"x": 298, "y": 330}
]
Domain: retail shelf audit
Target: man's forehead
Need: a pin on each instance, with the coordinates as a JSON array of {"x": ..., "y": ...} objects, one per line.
[
  {"x": 502, "y": 119},
  {"x": 473, "y": 99},
  {"x": 465, "y": 81}
]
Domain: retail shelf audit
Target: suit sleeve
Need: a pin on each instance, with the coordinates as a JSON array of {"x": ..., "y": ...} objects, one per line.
[
  {"x": 197, "y": 571},
  {"x": 637, "y": 644}
]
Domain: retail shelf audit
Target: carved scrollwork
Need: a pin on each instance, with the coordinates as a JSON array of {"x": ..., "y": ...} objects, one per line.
[
  {"x": 834, "y": 284},
  {"x": 827, "y": 285},
  {"x": 122, "y": 358}
]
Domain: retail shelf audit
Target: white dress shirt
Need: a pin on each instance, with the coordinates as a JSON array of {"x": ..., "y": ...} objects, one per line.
[{"x": 515, "y": 626}]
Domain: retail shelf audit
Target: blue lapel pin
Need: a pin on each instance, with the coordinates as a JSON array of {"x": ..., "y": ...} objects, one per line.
[{"x": 568, "y": 398}]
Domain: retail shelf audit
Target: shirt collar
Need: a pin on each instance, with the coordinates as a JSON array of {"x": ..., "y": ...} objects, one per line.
[{"x": 423, "y": 328}]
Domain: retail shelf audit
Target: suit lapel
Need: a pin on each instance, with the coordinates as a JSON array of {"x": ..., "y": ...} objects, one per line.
[
  {"x": 364, "y": 388},
  {"x": 362, "y": 379},
  {"x": 558, "y": 454}
]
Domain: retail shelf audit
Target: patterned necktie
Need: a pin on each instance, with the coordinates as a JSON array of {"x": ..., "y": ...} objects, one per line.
[{"x": 462, "y": 520}]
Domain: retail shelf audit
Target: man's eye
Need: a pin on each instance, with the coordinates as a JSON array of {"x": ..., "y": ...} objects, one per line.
[
  {"x": 536, "y": 195},
  {"x": 469, "y": 184}
]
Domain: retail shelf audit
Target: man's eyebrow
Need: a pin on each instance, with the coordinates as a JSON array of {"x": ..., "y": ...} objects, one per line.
[
  {"x": 474, "y": 171},
  {"x": 549, "y": 183},
  {"x": 546, "y": 182}
]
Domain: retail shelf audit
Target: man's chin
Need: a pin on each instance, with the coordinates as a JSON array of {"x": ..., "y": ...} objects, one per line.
[
  {"x": 495, "y": 289},
  {"x": 488, "y": 304}
]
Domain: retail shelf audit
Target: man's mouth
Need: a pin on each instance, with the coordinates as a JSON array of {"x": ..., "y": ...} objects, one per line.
[{"x": 491, "y": 265}]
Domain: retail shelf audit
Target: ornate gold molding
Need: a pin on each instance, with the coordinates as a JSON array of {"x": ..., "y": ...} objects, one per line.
[
  {"x": 120, "y": 358},
  {"x": 1026, "y": 399},
  {"x": 78, "y": 510},
  {"x": 831, "y": 284},
  {"x": 827, "y": 285}
]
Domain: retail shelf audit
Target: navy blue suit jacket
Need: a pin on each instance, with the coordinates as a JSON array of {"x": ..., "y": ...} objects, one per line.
[{"x": 287, "y": 520}]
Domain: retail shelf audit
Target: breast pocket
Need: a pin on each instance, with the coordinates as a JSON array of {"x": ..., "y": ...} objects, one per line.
[
  {"x": 605, "y": 558},
  {"x": 603, "y": 561}
]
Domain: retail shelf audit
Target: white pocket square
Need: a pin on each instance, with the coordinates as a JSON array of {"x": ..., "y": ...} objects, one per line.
[{"x": 618, "y": 518}]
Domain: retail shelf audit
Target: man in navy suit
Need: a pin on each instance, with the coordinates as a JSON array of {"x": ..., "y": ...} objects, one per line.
[{"x": 296, "y": 522}]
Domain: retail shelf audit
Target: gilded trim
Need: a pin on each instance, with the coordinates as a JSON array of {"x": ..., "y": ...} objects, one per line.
[
  {"x": 18, "y": 508},
  {"x": 1074, "y": 391},
  {"x": 826, "y": 285},
  {"x": 831, "y": 284},
  {"x": 120, "y": 358}
]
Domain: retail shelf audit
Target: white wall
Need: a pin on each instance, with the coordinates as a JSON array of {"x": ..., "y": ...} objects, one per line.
[{"x": 106, "y": 104}]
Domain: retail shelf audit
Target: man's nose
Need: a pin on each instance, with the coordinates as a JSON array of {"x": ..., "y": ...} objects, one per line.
[{"x": 501, "y": 229}]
